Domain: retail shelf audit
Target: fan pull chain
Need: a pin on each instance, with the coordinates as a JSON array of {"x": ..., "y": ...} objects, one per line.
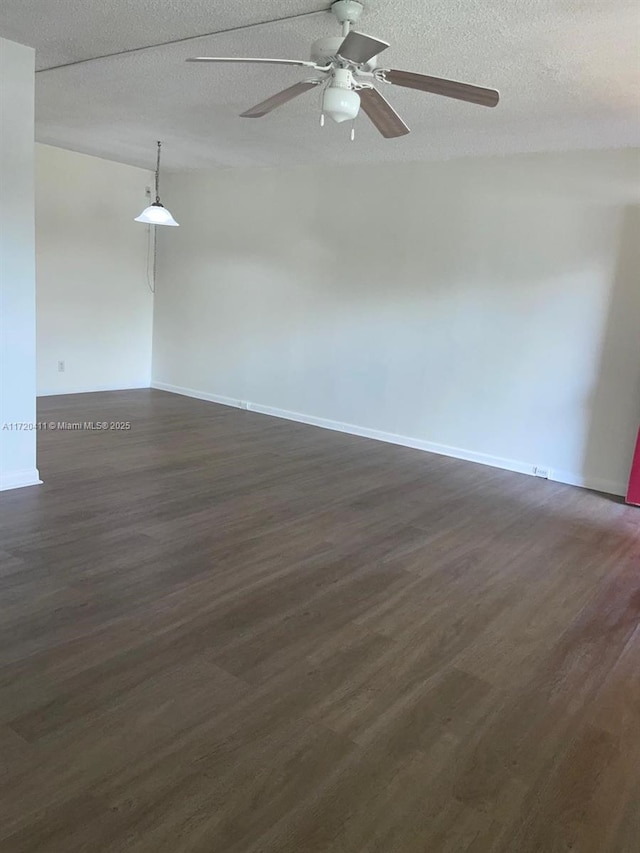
[
  {"x": 353, "y": 131},
  {"x": 321, "y": 119}
]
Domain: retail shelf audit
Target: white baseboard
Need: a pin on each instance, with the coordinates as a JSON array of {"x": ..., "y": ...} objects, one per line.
[
  {"x": 20, "y": 479},
  {"x": 596, "y": 484},
  {"x": 93, "y": 390},
  {"x": 199, "y": 395},
  {"x": 515, "y": 465}
]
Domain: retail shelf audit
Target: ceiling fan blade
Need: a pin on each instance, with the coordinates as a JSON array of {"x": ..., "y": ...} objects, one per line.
[
  {"x": 300, "y": 62},
  {"x": 359, "y": 48},
  {"x": 448, "y": 88},
  {"x": 382, "y": 114},
  {"x": 281, "y": 98}
]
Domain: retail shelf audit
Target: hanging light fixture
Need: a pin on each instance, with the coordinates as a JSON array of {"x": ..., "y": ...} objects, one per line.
[
  {"x": 341, "y": 102},
  {"x": 157, "y": 213}
]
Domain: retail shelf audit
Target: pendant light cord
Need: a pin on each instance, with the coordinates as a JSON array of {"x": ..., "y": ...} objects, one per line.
[
  {"x": 185, "y": 40},
  {"x": 152, "y": 236},
  {"x": 158, "y": 174},
  {"x": 152, "y": 257}
]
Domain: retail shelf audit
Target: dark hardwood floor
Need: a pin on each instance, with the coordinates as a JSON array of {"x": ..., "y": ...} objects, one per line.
[{"x": 226, "y": 633}]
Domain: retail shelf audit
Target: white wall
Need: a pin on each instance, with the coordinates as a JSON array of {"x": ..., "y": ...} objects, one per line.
[
  {"x": 17, "y": 267},
  {"x": 484, "y": 308},
  {"x": 95, "y": 308}
]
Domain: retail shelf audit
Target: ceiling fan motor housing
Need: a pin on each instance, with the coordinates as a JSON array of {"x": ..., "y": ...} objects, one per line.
[{"x": 324, "y": 51}]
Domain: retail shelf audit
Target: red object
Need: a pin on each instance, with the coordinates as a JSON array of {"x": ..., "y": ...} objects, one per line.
[{"x": 633, "y": 492}]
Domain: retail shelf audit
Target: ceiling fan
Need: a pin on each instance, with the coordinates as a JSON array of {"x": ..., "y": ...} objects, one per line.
[{"x": 348, "y": 68}]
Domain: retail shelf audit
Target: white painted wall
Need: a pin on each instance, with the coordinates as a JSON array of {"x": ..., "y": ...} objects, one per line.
[
  {"x": 17, "y": 268},
  {"x": 484, "y": 308},
  {"x": 95, "y": 308}
]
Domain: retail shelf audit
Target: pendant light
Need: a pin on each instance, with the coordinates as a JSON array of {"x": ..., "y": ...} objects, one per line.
[{"x": 157, "y": 213}]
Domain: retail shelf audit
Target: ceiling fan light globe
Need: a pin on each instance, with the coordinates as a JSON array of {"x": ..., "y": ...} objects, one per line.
[
  {"x": 341, "y": 104},
  {"x": 156, "y": 214}
]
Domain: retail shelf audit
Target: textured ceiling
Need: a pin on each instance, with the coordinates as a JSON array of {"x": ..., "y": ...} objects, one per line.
[{"x": 567, "y": 70}]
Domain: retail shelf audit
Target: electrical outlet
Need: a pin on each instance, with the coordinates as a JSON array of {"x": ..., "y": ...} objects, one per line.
[
  {"x": 543, "y": 473},
  {"x": 61, "y": 367}
]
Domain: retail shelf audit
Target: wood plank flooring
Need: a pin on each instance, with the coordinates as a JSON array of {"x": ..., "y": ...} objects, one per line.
[{"x": 226, "y": 633}]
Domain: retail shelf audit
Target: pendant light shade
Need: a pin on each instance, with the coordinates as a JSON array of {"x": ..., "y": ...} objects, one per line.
[{"x": 157, "y": 213}]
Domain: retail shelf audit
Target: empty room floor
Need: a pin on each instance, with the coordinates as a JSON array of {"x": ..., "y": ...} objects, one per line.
[{"x": 227, "y": 633}]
